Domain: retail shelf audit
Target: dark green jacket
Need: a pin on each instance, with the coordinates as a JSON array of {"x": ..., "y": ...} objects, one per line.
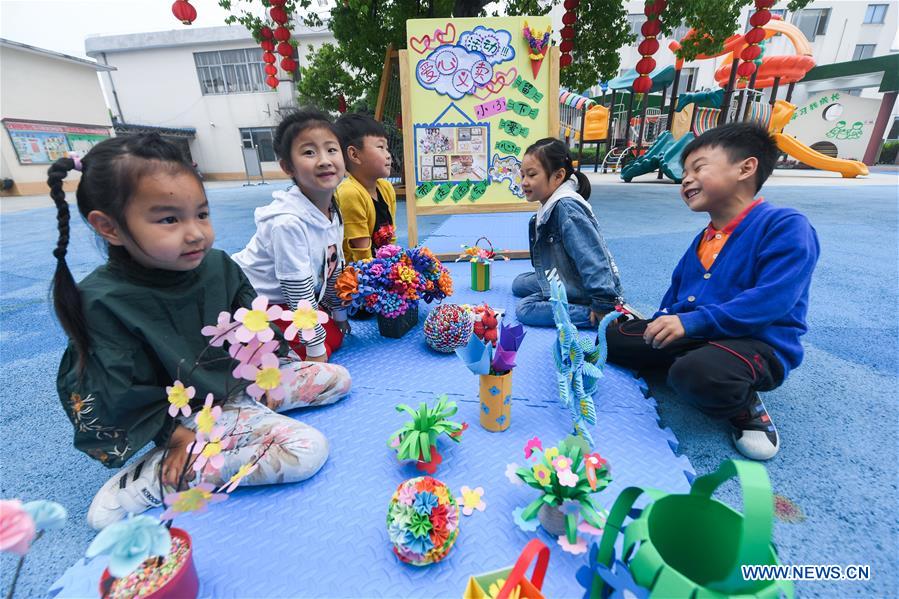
[{"x": 144, "y": 329}]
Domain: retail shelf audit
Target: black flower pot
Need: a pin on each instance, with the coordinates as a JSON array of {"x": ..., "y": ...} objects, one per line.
[{"x": 395, "y": 328}]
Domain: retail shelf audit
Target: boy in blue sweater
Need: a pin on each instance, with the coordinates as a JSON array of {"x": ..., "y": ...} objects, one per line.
[{"x": 729, "y": 324}]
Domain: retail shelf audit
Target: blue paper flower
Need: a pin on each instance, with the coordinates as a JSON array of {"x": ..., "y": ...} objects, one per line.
[
  {"x": 420, "y": 545},
  {"x": 525, "y": 525},
  {"x": 130, "y": 542},
  {"x": 501, "y": 420},
  {"x": 618, "y": 578},
  {"x": 47, "y": 515},
  {"x": 424, "y": 502}
]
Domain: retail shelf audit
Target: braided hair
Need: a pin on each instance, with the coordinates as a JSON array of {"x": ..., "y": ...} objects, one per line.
[
  {"x": 553, "y": 155},
  {"x": 110, "y": 173}
]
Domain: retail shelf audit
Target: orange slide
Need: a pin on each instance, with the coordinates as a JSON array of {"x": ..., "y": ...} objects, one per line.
[{"x": 849, "y": 169}]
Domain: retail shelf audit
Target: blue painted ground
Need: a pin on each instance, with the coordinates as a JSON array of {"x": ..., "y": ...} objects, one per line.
[{"x": 837, "y": 414}]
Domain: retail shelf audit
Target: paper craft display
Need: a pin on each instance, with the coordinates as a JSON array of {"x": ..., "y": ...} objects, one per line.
[
  {"x": 538, "y": 44},
  {"x": 422, "y": 521},
  {"x": 507, "y": 168},
  {"x": 481, "y": 259},
  {"x": 452, "y": 151},
  {"x": 456, "y": 70},
  {"x": 417, "y": 440},
  {"x": 424, "y": 189},
  {"x": 522, "y": 109},
  {"x": 422, "y": 44},
  {"x": 495, "y": 45},
  {"x": 512, "y": 582},
  {"x": 718, "y": 539},
  {"x": 513, "y": 128},
  {"x": 527, "y": 89},
  {"x": 443, "y": 192},
  {"x": 478, "y": 189},
  {"x": 461, "y": 190},
  {"x": 567, "y": 476},
  {"x": 447, "y": 327},
  {"x": 579, "y": 361},
  {"x": 482, "y": 111},
  {"x": 509, "y": 147},
  {"x": 486, "y": 324}
]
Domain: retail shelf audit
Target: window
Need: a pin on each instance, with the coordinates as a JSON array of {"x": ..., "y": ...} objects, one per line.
[
  {"x": 775, "y": 12},
  {"x": 875, "y": 14},
  {"x": 231, "y": 71},
  {"x": 863, "y": 51},
  {"x": 262, "y": 139},
  {"x": 812, "y": 21},
  {"x": 687, "y": 81},
  {"x": 636, "y": 22}
]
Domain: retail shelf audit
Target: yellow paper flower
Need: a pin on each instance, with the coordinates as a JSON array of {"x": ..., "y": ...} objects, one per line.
[
  {"x": 442, "y": 495},
  {"x": 550, "y": 453},
  {"x": 238, "y": 476},
  {"x": 179, "y": 398},
  {"x": 305, "y": 319},
  {"x": 268, "y": 378},
  {"x": 542, "y": 474}
]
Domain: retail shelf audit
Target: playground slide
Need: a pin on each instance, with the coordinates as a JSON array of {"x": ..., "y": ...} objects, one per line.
[
  {"x": 665, "y": 154},
  {"x": 849, "y": 169},
  {"x": 671, "y": 163}
]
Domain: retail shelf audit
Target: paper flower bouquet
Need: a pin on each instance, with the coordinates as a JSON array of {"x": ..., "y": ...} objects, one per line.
[
  {"x": 494, "y": 367},
  {"x": 566, "y": 478},
  {"x": 481, "y": 259},
  {"x": 422, "y": 521},
  {"x": 391, "y": 284},
  {"x": 417, "y": 440}
]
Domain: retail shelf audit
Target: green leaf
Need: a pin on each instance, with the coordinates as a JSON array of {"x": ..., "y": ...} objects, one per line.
[
  {"x": 571, "y": 528},
  {"x": 529, "y": 512}
]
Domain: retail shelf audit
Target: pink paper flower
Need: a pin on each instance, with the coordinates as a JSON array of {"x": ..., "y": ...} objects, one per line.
[
  {"x": 209, "y": 448},
  {"x": 588, "y": 529},
  {"x": 16, "y": 527},
  {"x": 255, "y": 322},
  {"x": 251, "y": 353},
  {"x": 220, "y": 332},
  {"x": 561, "y": 463},
  {"x": 193, "y": 500},
  {"x": 179, "y": 399},
  {"x": 303, "y": 320},
  {"x": 567, "y": 478},
  {"x": 531, "y": 445},
  {"x": 208, "y": 416},
  {"x": 512, "y": 474},
  {"x": 243, "y": 472},
  {"x": 575, "y": 549},
  {"x": 267, "y": 379},
  {"x": 407, "y": 494}
]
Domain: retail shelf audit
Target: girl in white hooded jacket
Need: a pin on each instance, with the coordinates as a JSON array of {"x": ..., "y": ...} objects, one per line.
[{"x": 296, "y": 253}]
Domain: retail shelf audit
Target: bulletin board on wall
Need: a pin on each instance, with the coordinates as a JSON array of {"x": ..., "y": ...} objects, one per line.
[
  {"x": 37, "y": 142},
  {"x": 473, "y": 101}
]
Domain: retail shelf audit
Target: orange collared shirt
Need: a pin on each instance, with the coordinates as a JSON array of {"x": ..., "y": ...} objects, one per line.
[{"x": 713, "y": 240}]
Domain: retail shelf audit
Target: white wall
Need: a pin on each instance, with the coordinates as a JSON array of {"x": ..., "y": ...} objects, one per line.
[{"x": 44, "y": 88}]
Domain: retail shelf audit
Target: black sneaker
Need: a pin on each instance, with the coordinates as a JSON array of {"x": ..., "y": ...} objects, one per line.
[{"x": 755, "y": 436}]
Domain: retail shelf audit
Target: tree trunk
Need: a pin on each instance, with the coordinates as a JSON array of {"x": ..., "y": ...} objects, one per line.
[{"x": 468, "y": 8}]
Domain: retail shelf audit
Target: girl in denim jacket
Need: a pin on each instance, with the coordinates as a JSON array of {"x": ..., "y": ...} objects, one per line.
[{"x": 564, "y": 239}]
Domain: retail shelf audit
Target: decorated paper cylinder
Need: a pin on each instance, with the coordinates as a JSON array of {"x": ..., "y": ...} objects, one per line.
[
  {"x": 496, "y": 401},
  {"x": 480, "y": 276}
]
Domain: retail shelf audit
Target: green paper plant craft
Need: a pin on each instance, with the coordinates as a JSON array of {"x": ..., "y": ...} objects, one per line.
[
  {"x": 417, "y": 440},
  {"x": 567, "y": 476}
]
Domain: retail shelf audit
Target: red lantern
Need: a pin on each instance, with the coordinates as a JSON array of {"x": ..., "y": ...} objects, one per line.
[
  {"x": 285, "y": 49},
  {"x": 566, "y": 46},
  {"x": 282, "y": 34},
  {"x": 279, "y": 15},
  {"x": 651, "y": 28},
  {"x": 289, "y": 64},
  {"x": 268, "y": 57},
  {"x": 341, "y": 104},
  {"x": 642, "y": 85},
  {"x": 754, "y": 35},
  {"x": 648, "y": 47},
  {"x": 277, "y": 2},
  {"x": 272, "y": 82},
  {"x": 184, "y": 11},
  {"x": 646, "y": 65},
  {"x": 760, "y": 18},
  {"x": 751, "y": 52},
  {"x": 567, "y": 32},
  {"x": 267, "y": 45},
  {"x": 569, "y": 18},
  {"x": 266, "y": 33},
  {"x": 565, "y": 60},
  {"x": 572, "y": 4},
  {"x": 271, "y": 69},
  {"x": 753, "y": 38},
  {"x": 746, "y": 69}
]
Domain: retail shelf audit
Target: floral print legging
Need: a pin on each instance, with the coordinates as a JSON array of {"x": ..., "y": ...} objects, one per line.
[{"x": 291, "y": 451}]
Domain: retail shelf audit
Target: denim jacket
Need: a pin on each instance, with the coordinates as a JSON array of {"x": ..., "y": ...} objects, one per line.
[{"x": 569, "y": 241}]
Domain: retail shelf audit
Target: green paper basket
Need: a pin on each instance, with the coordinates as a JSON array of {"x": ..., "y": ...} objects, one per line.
[{"x": 693, "y": 546}]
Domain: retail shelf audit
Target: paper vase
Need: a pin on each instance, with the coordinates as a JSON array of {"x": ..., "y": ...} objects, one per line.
[
  {"x": 496, "y": 401},
  {"x": 480, "y": 276}
]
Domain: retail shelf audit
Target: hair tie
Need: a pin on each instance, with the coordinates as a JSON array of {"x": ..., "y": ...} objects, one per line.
[{"x": 77, "y": 160}]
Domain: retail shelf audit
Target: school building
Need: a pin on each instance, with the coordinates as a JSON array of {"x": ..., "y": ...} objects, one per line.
[
  {"x": 201, "y": 87},
  {"x": 41, "y": 122}
]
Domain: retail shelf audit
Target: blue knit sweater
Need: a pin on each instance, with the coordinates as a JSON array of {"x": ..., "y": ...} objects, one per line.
[{"x": 757, "y": 287}]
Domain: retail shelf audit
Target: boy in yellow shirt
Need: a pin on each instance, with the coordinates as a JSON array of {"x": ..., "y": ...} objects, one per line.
[{"x": 366, "y": 199}]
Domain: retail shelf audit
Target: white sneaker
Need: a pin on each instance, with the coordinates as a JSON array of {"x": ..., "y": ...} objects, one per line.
[{"x": 133, "y": 490}]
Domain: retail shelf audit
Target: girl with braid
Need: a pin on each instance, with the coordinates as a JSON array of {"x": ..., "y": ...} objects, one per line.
[
  {"x": 134, "y": 327},
  {"x": 296, "y": 253}
]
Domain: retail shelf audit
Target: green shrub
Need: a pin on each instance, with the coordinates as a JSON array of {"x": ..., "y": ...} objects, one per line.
[{"x": 888, "y": 153}]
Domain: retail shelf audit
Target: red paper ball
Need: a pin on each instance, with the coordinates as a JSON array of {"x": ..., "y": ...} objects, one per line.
[
  {"x": 651, "y": 28},
  {"x": 271, "y": 69},
  {"x": 746, "y": 69},
  {"x": 566, "y": 46},
  {"x": 567, "y": 33},
  {"x": 282, "y": 34},
  {"x": 751, "y": 52},
  {"x": 642, "y": 85},
  {"x": 760, "y": 18},
  {"x": 646, "y": 65},
  {"x": 565, "y": 60},
  {"x": 272, "y": 82},
  {"x": 648, "y": 47},
  {"x": 569, "y": 18},
  {"x": 266, "y": 33},
  {"x": 754, "y": 36},
  {"x": 572, "y": 4},
  {"x": 285, "y": 49},
  {"x": 184, "y": 11},
  {"x": 268, "y": 57},
  {"x": 267, "y": 45},
  {"x": 289, "y": 65},
  {"x": 279, "y": 15}
]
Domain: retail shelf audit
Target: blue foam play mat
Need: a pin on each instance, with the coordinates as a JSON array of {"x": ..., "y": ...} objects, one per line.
[{"x": 327, "y": 537}]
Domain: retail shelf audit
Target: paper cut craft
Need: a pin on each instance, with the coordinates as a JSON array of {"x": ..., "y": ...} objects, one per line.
[
  {"x": 453, "y": 71},
  {"x": 417, "y": 440},
  {"x": 471, "y": 500},
  {"x": 424, "y": 43},
  {"x": 522, "y": 109},
  {"x": 478, "y": 190},
  {"x": 424, "y": 189},
  {"x": 538, "y": 45},
  {"x": 507, "y": 168},
  {"x": 476, "y": 356},
  {"x": 481, "y": 358},
  {"x": 500, "y": 81},
  {"x": 579, "y": 361},
  {"x": 461, "y": 190},
  {"x": 443, "y": 192},
  {"x": 509, "y": 147},
  {"x": 490, "y": 108},
  {"x": 422, "y": 521},
  {"x": 513, "y": 128},
  {"x": 527, "y": 89},
  {"x": 494, "y": 45}
]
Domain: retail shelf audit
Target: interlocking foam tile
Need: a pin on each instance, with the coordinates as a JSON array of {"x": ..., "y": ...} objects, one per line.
[
  {"x": 327, "y": 537},
  {"x": 506, "y": 231}
]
